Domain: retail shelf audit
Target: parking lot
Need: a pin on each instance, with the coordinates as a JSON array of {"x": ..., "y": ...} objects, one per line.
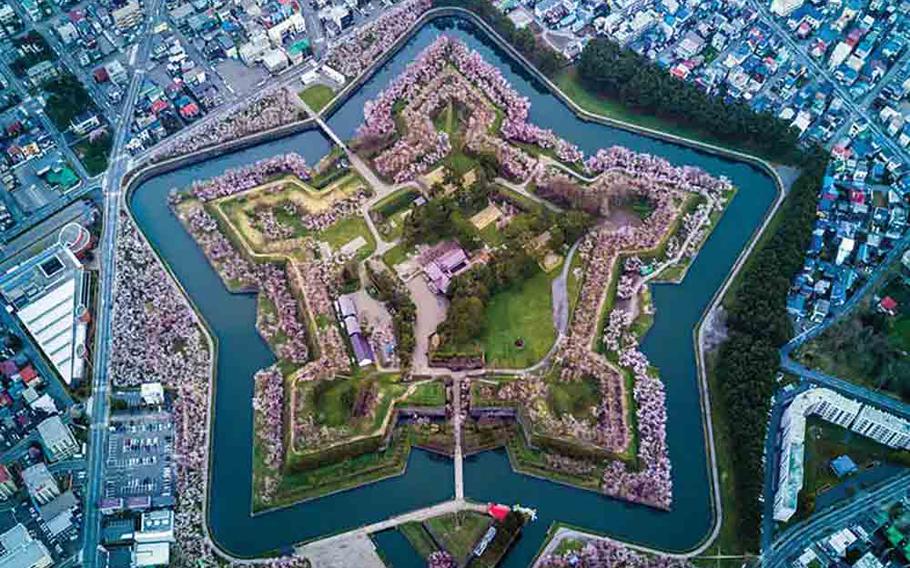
[{"x": 139, "y": 457}]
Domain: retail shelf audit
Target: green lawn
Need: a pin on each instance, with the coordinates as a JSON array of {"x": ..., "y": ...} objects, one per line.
[
  {"x": 345, "y": 231},
  {"x": 427, "y": 394},
  {"x": 349, "y": 473},
  {"x": 459, "y": 162},
  {"x": 390, "y": 212},
  {"x": 396, "y": 201},
  {"x": 94, "y": 154},
  {"x": 459, "y": 532},
  {"x": 524, "y": 312},
  {"x": 900, "y": 332},
  {"x": 575, "y": 398},
  {"x": 395, "y": 255},
  {"x": 332, "y": 401},
  {"x": 826, "y": 441},
  {"x": 288, "y": 220},
  {"x": 317, "y": 96}
]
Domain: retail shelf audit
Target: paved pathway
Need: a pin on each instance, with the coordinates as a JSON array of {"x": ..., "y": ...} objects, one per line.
[
  {"x": 431, "y": 311},
  {"x": 561, "y": 295},
  {"x": 356, "y": 550},
  {"x": 458, "y": 456}
]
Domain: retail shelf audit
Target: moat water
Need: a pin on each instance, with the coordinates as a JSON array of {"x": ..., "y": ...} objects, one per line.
[{"x": 488, "y": 477}]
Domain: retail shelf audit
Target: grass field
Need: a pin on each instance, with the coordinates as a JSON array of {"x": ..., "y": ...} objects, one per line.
[
  {"x": 523, "y": 312},
  {"x": 352, "y": 472},
  {"x": 317, "y": 96},
  {"x": 395, "y": 255},
  {"x": 826, "y": 441},
  {"x": 345, "y": 231},
  {"x": 459, "y": 532},
  {"x": 427, "y": 394},
  {"x": 390, "y": 212},
  {"x": 575, "y": 398},
  {"x": 332, "y": 401}
]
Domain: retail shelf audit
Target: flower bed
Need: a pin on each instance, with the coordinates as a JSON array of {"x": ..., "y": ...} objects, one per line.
[
  {"x": 355, "y": 54},
  {"x": 268, "y": 410},
  {"x": 606, "y": 552},
  {"x": 157, "y": 337}
]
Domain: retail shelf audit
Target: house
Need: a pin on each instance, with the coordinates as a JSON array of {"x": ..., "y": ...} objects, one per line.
[
  {"x": 19, "y": 549},
  {"x": 7, "y": 483},
  {"x": 888, "y": 305},
  {"x": 347, "y": 313},
  {"x": 440, "y": 270},
  {"x": 128, "y": 15},
  {"x": 84, "y": 123},
  {"x": 57, "y": 438},
  {"x": 843, "y": 466},
  {"x": 41, "y": 485}
]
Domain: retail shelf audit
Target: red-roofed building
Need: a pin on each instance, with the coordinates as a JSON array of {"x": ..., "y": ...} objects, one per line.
[
  {"x": 100, "y": 75},
  {"x": 888, "y": 305},
  {"x": 497, "y": 511},
  {"x": 28, "y": 374},
  {"x": 14, "y": 128},
  {"x": 158, "y": 106},
  {"x": 189, "y": 110},
  {"x": 857, "y": 197}
]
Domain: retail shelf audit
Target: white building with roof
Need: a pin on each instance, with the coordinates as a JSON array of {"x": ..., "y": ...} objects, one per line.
[
  {"x": 57, "y": 438},
  {"x": 152, "y": 394},
  {"x": 19, "y": 550},
  {"x": 41, "y": 485},
  {"x": 156, "y": 526},
  {"x": 784, "y": 8},
  {"x": 883, "y": 427},
  {"x": 48, "y": 293},
  {"x": 827, "y": 405},
  {"x": 151, "y": 554}
]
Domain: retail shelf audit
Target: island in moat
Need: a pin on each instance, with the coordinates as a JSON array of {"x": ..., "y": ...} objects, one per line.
[{"x": 454, "y": 278}]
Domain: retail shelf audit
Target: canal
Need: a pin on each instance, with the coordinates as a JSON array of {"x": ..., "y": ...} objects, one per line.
[{"x": 488, "y": 477}]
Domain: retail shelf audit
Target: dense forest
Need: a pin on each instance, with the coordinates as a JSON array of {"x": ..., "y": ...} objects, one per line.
[
  {"x": 622, "y": 75},
  {"x": 758, "y": 325},
  {"x": 548, "y": 61}
]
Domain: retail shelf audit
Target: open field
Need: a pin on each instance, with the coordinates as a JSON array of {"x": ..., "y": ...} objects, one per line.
[
  {"x": 431, "y": 393},
  {"x": 317, "y": 96},
  {"x": 523, "y": 312}
]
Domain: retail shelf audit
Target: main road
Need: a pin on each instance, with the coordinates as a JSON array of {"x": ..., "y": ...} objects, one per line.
[
  {"x": 111, "y": 186},
  {"x": 804, "y": 534}
]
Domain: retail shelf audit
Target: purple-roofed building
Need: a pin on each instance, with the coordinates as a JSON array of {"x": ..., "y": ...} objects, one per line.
[{"x": 363, "y": 353}]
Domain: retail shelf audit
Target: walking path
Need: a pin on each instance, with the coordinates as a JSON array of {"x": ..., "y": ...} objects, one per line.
[{"x": 458, "y": 456}]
